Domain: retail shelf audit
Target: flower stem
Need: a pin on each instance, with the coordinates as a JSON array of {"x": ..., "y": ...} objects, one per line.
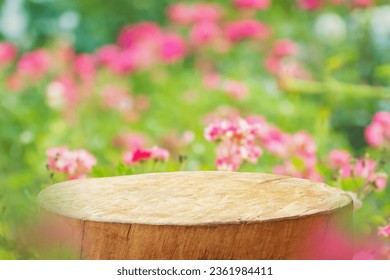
[{"x": 334, "y": 87}]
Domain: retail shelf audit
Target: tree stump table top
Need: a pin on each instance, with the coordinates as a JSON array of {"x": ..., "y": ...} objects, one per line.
[{"x": 191, "y": 198}]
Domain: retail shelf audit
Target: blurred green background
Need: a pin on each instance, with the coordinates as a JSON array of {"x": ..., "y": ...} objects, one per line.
[{"x": 345, "y": 50}]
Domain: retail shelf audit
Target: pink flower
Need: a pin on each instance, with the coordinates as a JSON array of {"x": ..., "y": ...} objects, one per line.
[
  {"x": 117, "y": 60},
  {"x": 85, "y": 67},
  {"x": 241, "y": 140},
  {"x": 363, "y": 3},
  {"x": 380, "y": 181},
  {"x": 377, "y": 133},
  {"x": 143, "y": 31},
  {"x": 14, "y": 82},
  {"x": 374, "y": 135},
  {"x": 85, "y": 161},
  {"x": 117, "y": 98},
  {"x": 7, "y": 53},
  {"x": 235, "y": 89},
  {"x": 107, "y": 54},
  {"x": 275, "y": 141},
  {"x": 159, "y": 153},
  {"x": 273, "y": 64},
  {"x": 228, "y": 156},
  {"x": 312, "y": 174},
  {"x": 292, "y": 148},
  {"x": 34, "y": 64},
  {"x": 181, "y": 13},
  {"x": 204, "y": 32},
  {"x": 228, "y": 163},
  {"x": 125, "y": 62},
  {"x": 250, "y": 153},
  {"x": 382, "y": 118},
  {"x": 172, "y": 48},
  {"x": 237, "y": 142},
  {"x": 76, "y": 164},
  {"x": 258, "y": 125},
  {"x": 185, "y": 14},
  {"x": 215, "y": 130},
  {"x": 53, "y": 154},
  {"x": 246, "y": 29},
  {"x": 345, "y": 171},
  {"x": 282, "y": 61},
  {"x": 211, "y": 80},
  {"x": 62, "y": 93},
  {"x": 252, "y": 4},
  {"x": 339, "y": 158},
  {"x": 288, "y": 168},
  {"x": 310, "y": 4},
  {"x": 188, "y": 137},
  {"x": 130, "y": 141},
  {"x": 303, "y": 144},
  {"x": 293, "y": 69},
  {"x": 238, "y": 130},
  {"x": 207, "y": 12},
  {"x": 222, "y": 112},
  {"x": 142, "y": 154},
  {"x": 283, "y": 48},
  {"x": 384, "y": 231},
  {"x": 365, "y": 168}
]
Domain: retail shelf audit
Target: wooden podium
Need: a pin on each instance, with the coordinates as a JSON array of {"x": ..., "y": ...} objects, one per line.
[{"x": 195, "y": 215}]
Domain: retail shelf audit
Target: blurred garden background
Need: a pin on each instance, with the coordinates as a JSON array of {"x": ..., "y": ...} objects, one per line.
[{"x": 94, "y": 88}]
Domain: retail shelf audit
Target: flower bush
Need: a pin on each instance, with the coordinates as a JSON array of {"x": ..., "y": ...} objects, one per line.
[{"x": 298, "y": 88}]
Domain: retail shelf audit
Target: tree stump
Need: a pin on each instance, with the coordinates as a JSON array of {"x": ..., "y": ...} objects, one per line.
[{"x": 196, "y": 215}]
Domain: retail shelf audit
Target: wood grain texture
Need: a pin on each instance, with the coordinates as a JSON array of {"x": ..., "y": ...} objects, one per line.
[{"x": 195, "y": 215}]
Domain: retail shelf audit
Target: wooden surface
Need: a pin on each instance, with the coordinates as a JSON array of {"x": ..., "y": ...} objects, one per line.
[{"x": 195, "y": 215}]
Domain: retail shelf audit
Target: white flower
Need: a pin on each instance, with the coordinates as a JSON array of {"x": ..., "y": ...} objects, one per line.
[
  {"x": 330, "y": 27},
  {"x": 55, "y": 95},
  {"x": 380, "y": 25}
]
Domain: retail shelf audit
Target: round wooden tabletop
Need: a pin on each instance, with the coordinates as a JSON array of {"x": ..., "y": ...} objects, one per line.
[{"x": 191, "y": 198}]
